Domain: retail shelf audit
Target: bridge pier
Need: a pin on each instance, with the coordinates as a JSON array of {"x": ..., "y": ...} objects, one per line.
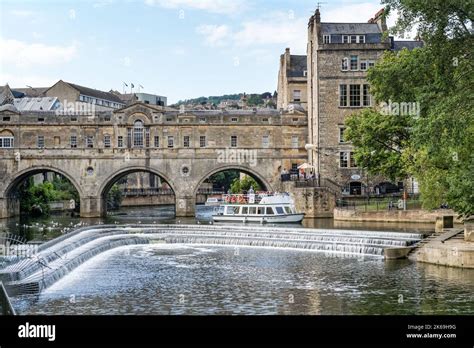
[
  {"x": 92, "y": 207},
  {"x": 185, "y": 206},
  {"x": 9, "y": 207}
]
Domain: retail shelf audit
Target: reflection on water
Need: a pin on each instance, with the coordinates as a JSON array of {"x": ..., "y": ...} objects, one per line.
[
  {"x": 45, "y": 228},
  {"x": 192, "y": 280}
]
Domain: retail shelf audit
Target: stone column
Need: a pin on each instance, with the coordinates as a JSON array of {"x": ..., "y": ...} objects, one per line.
[
  {"x": 185, "y": 206},
  {"x": 92, "y": 207}
]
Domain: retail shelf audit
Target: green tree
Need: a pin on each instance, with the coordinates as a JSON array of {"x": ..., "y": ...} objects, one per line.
[
  {"x": 243, "y": 185},
  {"x": 435, "y": 145},
  {"x": 114, "y": 198},
  {"x": 223, "y": 180}
]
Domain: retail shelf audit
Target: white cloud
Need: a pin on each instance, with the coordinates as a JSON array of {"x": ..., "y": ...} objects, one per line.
[
  {"x": 214, "y": 6},
  {"x": 22, "y": 54},
  {"x": 72, "y": 14},
  {"x": 215, "y": 35},
  {"x": 102, "y": 3},
  {"x": 276, "y": 28},
  {"x": 22, "y": 13}
]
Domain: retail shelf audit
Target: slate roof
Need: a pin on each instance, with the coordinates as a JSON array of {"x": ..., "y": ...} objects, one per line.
[
  {"x": 95, "y": 93},
  {"x": 30, "y": 92},
  {"x": 36, "y": 104},
  {"x": 6, "y": 96},
  {"x": 298, "y": 65},
  {"x": 349, "y": 28},
  {"x": 410, "y": 45}
]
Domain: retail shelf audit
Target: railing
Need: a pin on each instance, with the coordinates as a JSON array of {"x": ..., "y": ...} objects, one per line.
[
  {"x": 6, "y": 307},
  {"x": 379, "y": 204},
  {"x": 249, "y": 198}
]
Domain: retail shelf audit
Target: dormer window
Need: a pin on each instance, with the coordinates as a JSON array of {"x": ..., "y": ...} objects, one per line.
[
  {"x": 345, "y": 38},
  {"x": 353, "y": 39},
  {"x": 361, "y": 38},
  {"x": 327, "y": 39}
]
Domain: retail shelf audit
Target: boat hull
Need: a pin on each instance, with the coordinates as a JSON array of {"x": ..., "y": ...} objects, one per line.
[{"x": 293, "y": 218}]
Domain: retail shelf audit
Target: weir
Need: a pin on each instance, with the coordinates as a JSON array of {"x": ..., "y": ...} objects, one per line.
[{"x": 60, "y": 256}]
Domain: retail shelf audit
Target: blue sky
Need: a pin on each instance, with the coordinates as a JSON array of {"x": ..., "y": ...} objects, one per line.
[{"x": 177, "y": 48}]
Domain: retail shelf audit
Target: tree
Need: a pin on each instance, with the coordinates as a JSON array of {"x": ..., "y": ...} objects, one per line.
[
  {"x": 243, "y": 185},
  {"x": 435, "y": 144},
  {"x": 223, "y": 180}
]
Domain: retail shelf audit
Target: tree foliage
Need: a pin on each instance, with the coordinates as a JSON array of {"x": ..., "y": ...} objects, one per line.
[
  {"x": 243, "y": 185},
  {"x": 435, "y": 144}
]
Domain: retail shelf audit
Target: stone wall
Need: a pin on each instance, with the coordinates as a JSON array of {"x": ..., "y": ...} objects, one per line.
[{"x": 393, "y": 215}]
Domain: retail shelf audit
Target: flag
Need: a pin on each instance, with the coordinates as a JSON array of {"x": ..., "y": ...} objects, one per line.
[
  {"x": 132, "y": 85},
  {"x": 125, "y": 84},
  {"x": 141, "y": 86}
]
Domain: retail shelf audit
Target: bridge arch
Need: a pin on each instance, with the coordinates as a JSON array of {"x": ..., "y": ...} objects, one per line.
[
  {"x": 111, "y": 179},
  {"x": 250, "y": 171}
]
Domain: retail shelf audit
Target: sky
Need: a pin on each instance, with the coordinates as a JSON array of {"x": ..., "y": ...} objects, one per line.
[{"x": 177, "y": 48}]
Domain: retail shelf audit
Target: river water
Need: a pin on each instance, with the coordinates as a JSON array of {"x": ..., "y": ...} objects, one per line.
[{"x": 194, "y": 280}]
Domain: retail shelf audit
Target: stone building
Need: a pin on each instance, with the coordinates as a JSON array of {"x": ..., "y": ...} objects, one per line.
[
  {"x": 339, "y": 56},
  {"x": 292, "y": 81}
]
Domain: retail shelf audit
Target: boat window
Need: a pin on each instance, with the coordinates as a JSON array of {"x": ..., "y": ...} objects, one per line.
[
  {"x": 232, "y": 210},
  {"x": 245, "y": 210},
  {"x": 253, "y": 210},
  {"x": 280, "y": 210},
  {"x": 288, "y": 210},
  {"x": 270, "y": 211},
  {"x": 261, "y": 211}
]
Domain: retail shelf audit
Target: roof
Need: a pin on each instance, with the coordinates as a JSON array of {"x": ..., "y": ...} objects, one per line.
[
  {"x": 95, "y": 93},
  {"x": 6, "y": 96},
  {"x": 298, "y": 65},
  {"x": 36, "y": 104},
  {"x": 349, "y": 28},
  {"x": 31, "y": 92},
  {"x": 8, "y": 107},
  {"x": 410, "y": 45}
]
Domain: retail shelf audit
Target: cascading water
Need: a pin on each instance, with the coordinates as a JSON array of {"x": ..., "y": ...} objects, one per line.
[{"x": 60, "y": 256}]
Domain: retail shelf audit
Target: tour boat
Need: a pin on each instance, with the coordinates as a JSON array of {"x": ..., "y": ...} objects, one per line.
[{"x": 262, "y": 208}]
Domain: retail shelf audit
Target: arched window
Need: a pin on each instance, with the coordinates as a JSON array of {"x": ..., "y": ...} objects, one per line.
[
  {"x": 6, "y": 139},
  {"x": 138, "y": 134}
]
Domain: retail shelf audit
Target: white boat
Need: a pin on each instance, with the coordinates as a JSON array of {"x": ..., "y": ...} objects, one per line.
[
  {"x": 214, "y": 201},
  {"x": 261, "y": 208}
]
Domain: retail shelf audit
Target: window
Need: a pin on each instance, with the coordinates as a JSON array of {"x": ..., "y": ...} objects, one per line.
[
  {"x": 234, "y": 119},
  {"x": 354, "y": 62},
  {"x": 353, "y": 38},
  {"x": 363, "y": 65},
  {"x": 343, "y": 160},
  {"x": 40, "y": 142},
  {"x": 252, "y": 210},
  {"x": 6, "y": 119},
  {"x": 73, "y": 141},
  {"x": 326, "y": 39},
  {"x": 89, "y": 141},
  {"x": 120, "y": 141},
  {"x": 345, "y": 64},
  {"x": 186, "y": 141},
  {"x": 361, "y": 38},
  {"x": 170, "y": 142},
  {"x": 294, "y": 142},
  {"x": 202, "y": 120},
  {"x": 280, "y": 210},
  {"x": 107, "y": 142},
  {"x": 366, "y": 96},
  {"x": 138, "y": 134},
  {"x": 245, "y": 210},
  {"x": 6, "y": 142},
  {"x": 265, "y": 141},
  {"x": 342, "y": 95},
  {"x": 202, "y": 141},
  {"x": 260, "y": 210},
  {"x": 288, "y": 210},
  {"x": 169, "y": 119},
  {"x": 157, "y": 141},
  {"x": 147, "y": 137},
  {"x": 345, "y": 39},
  {"x": 270, "y": 211},
  {"x": 265, "y": 120},
  {"x": 352, "y": 163},
  {"x": 371, "y": 63},
  {"x": 341, "y": 135},
  {"x": 296, "y": 95},
  {"x": 73, "y": 119},
  {"x": 354, "y": 95},
  {"x": 233, "y": 141},
  {"x": 40, "y": 119}
]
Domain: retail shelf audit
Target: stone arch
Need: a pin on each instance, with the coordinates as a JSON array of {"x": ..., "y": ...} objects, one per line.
[
  {"x": 6, "y": 132},
  {"x": 243, "y": 169},
  {"x": 25, "y": 173},
  {"x": 110, "y": 180}
]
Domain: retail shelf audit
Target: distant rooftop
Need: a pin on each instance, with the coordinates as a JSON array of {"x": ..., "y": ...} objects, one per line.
[
  {"x": 298, "y": 65},
  {"x": 90, "y": 92},
  {"x": 30, "y": 92},
  {"x": 349, "y": 28},
  {"x": 36, "y": 104}
]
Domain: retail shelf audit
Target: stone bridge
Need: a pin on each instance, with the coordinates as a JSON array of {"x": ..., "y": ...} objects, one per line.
[{"x": 183, "y": 148}]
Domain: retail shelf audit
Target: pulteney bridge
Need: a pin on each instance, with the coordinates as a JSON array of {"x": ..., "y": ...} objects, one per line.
[{"x": 183, "y": 148}]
